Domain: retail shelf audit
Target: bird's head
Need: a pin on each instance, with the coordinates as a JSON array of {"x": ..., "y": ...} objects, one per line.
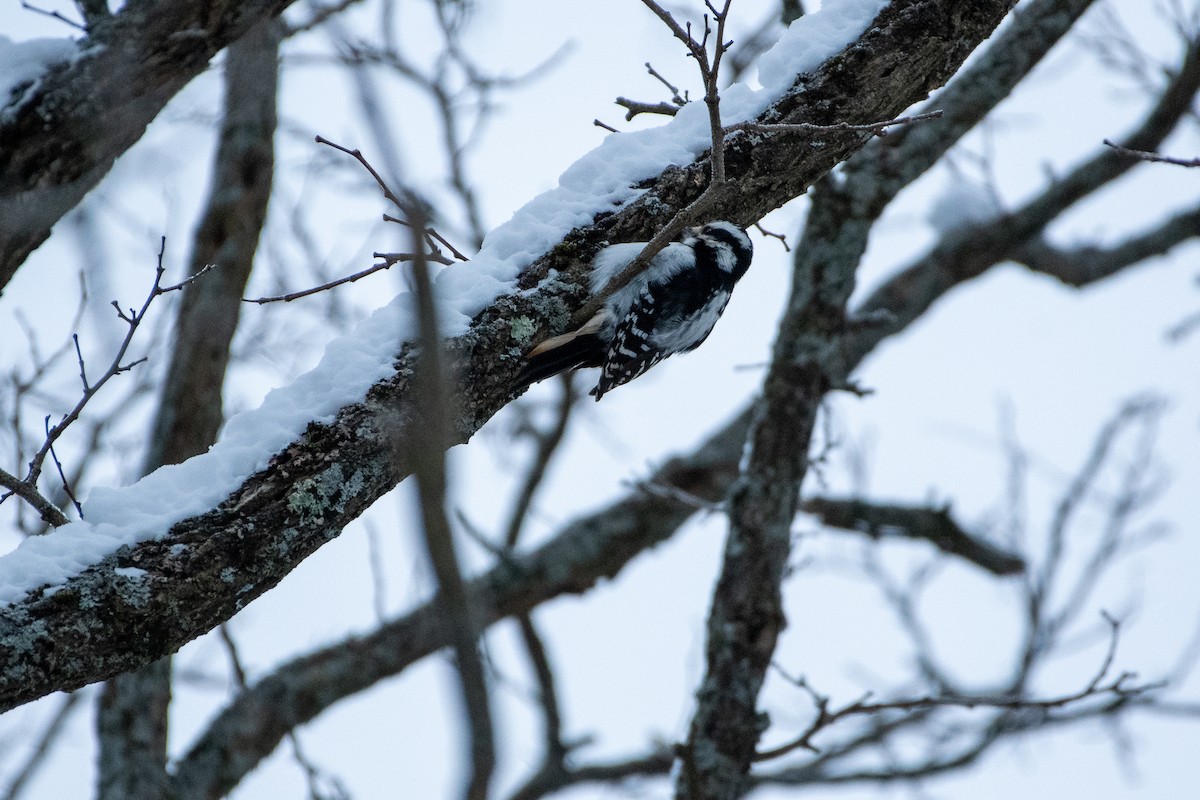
[{"x": 729, "y": 242}]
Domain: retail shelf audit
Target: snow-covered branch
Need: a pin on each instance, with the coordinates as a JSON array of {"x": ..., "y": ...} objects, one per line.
[
  {"x": 178, "y": 580},
  {"x": 60, "y": 134}
]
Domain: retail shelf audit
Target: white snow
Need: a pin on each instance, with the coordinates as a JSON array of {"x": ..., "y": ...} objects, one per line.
[
  {"x": 598, "y": 181},
  {"x": 132, "y": 573},
  {"x": 22, "y": 63}
]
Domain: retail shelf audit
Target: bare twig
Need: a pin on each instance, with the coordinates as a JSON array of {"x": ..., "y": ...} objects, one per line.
[
  {"x": 1119, "y": 687},
  {"x": 635, "y": 107},
  {"x": 236, "y": 669},
  {"x": 782, "y": 237},
  {"x": 133, "y": 318},
  {"x": 66, "y": 485},
  {"x": 555, "y": 748},
  {"x": 547, "y": 443},
  {"x": 838, "y": 127},
  {"x": 932, "y": 524},
  {"x": 1145, "y": 155},
  {"x": 675, "y": 97},
  {"x": 425, "y": 237},
  {"x": 389, "y": 259},
  {"x": 358, "y": 156},
  {"x": 28, "y": 492},
  {"x": 53, "y": 15}
]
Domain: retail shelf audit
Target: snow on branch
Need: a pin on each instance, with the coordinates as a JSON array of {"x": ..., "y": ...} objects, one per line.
[{"x": 209, "y": 535}]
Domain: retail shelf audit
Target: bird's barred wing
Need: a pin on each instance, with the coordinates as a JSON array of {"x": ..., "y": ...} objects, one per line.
[{"x": 631, "y": 353}]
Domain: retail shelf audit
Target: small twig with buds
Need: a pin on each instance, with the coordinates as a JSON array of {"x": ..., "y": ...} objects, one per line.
[
  {"x": 675, "y": 96},
  {"x": 635, "y": 107},
  {"x": 53, "y": 15},
  {"x": 432, "y": 238},
  {"x": 709, "y": 69}
]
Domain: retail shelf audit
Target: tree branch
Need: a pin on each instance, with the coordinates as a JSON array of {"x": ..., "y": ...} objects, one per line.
[
  {"x": 63, "y": 138},
  {"x": 915, "y": 522},
  {"x": 245, "y": 545}
]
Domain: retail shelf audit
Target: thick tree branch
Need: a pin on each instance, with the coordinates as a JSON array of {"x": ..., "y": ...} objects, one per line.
[
  {"x": 933, "y": 525},
  {"x": 1079, "y": 266},
  {"x": 593, "y": 548},
  {"x": 587, "y": 551},
  {"x": 966, "y": 253},
  {"x": 746, "y": 617},
  {"x": 244, "y": 546},
  {"x": 60, "y": 141}
]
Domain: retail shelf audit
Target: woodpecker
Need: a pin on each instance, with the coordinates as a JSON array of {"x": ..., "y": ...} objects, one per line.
[{"x": 670, "y": 307}]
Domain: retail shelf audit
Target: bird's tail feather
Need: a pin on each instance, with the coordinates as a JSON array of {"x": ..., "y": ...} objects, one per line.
[{"x": 586, "y": 350}]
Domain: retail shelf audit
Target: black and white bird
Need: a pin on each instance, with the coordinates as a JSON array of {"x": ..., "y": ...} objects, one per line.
[{"x": 669, "y": 308}]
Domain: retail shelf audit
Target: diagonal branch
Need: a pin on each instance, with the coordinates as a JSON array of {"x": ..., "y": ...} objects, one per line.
[
  {"x": 61, "y": 139},
  {"x": 591, "y": 549},
  {"x": 208, "y": 566}
]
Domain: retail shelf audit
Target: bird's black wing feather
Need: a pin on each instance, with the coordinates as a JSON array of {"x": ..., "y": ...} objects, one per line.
[{"x": 586, "y": 350}]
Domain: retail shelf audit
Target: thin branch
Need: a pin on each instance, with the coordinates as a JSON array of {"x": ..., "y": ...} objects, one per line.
[
  {"x": 53, "y": 15},
  {"x": 26, "y": 488},
  {"x": 934, "y": 525},
  {"x": 782, "y": 237},
  {"x": 838, "y": 127},
  {"x": 1081, "y": 265},
  {"x": 675, "y": 96},
  {"x": 236, "y": 669},
  {"x": 1118, "y": 687},
  {"x": 1146, "y": 155},
  {"x": 426, "y": 454},
  {"x": 28, "y": 492},
  {"x": 389, "y": 259},
  {"x": 547, "y": 445},
  {"x": 358, "y": 156},
  {"x": 555, "y": 750},
  {"x": 710, "y": 72},
  {"x": 66, "y": 485},
  {"x": 635, "y": 107}
]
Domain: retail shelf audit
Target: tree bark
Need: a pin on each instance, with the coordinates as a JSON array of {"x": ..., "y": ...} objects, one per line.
[
  {"x": 60, "y": 141},
  {"x": 330, "y": 475}
]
